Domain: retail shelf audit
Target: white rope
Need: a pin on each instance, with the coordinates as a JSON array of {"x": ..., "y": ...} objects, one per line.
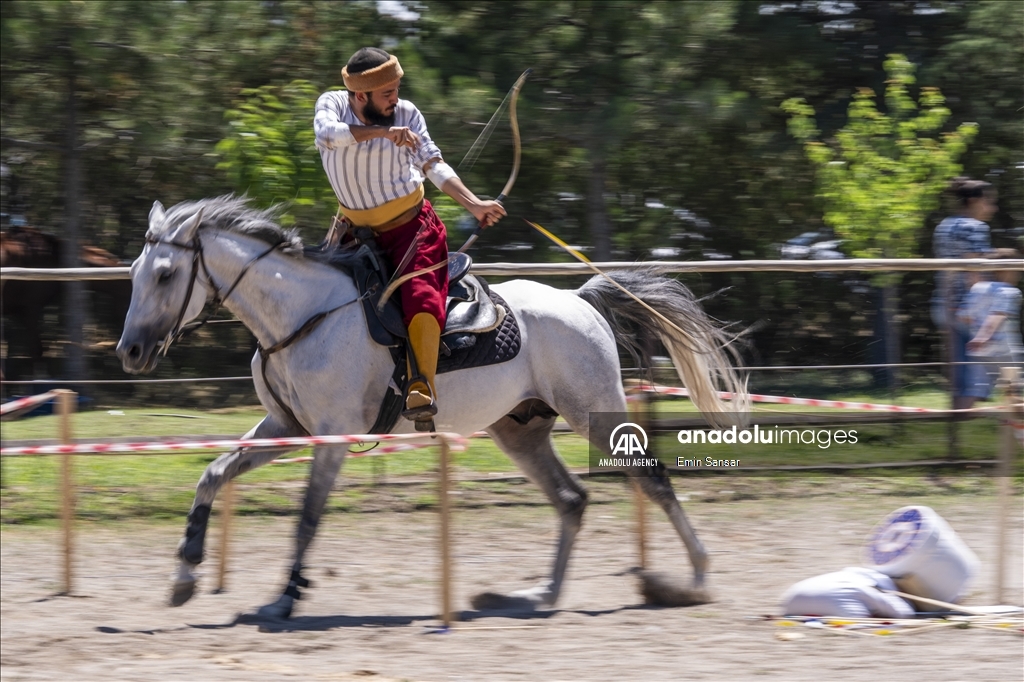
[{"x": 667, "y": 267}]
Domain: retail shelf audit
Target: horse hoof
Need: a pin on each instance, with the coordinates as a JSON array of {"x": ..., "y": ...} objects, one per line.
[
  {"x": 182, "y": 592},
  {"x": 659, "y": 589},
  {"x": 492, "y": 601},
  {"x": 529, "y": 599},
  {"x": 279, "y": 610}
]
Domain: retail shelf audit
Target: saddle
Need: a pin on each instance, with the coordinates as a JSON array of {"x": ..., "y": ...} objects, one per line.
[
  {"x": 470, "y": 308},
  {"x": 480, "y": 328}
]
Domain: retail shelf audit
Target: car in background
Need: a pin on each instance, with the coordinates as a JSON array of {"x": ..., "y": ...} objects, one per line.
[
  {"x": 823, "y": 246},
  {"x": 800, "y": 246},
  {"x": 827, "y": 250},
  {"x": 812, "y": 246}
]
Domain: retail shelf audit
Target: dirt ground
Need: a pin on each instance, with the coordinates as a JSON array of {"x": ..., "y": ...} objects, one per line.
[{"x": 372, "y": 609}]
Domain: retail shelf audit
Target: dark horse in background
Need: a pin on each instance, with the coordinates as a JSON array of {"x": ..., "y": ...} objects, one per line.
[{"x": 24, "y": 302}]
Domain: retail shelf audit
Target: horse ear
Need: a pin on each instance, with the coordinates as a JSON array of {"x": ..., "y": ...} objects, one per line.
[
  {"x": 189, "y": 229},
  {"x": 156, "y": 214}
]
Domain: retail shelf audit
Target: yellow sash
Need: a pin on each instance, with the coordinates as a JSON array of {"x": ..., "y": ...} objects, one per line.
[{"x": 385, "y": 213}]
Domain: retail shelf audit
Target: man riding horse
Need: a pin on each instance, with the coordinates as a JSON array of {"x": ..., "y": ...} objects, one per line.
[{"x": 377, "y": 152}]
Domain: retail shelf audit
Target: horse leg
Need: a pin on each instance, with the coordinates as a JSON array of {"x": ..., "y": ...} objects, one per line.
[
  {"x": 656, "y": 484},
  {"x": 530, "y": 446},
  {"x": 218, "y": 473},
  {"x": 658, "y": 488},
  {"x": 327, "y": 462}
]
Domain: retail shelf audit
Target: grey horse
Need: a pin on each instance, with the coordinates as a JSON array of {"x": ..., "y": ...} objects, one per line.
[{"x": 333, "y": 379}]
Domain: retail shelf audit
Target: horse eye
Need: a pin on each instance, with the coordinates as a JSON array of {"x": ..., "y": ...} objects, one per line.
[{"x": 165, "y": 276}]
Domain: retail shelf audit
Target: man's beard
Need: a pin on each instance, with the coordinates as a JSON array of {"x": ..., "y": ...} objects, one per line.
[{"x": 374, "y": 115}]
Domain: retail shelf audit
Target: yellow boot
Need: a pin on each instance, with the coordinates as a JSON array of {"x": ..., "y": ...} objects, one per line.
[{"x": 425, "y": 340}]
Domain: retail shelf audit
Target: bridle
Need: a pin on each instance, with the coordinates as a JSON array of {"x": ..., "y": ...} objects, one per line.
[
  {"x": 199, "y": 261},
  {"x": 179, "y": 331}
]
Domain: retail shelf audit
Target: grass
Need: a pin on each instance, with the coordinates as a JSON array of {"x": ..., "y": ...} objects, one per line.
[{"x": 163, "y": 487}]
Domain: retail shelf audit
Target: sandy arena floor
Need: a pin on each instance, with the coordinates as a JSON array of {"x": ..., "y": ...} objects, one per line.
[{"x": 374, "y": 600}]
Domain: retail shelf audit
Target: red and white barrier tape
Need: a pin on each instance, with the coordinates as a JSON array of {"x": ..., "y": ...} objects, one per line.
[
  {"x": 814, "y": 402},
  {"x": 375, "y": 452},
  {"x": 456, "y": 442},
  {"x": 25, "y": 403},
  {"x": 786, "y": 400}
]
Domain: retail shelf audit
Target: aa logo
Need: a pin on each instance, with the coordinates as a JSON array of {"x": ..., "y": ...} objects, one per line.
[{"x": 626, "y": 440}]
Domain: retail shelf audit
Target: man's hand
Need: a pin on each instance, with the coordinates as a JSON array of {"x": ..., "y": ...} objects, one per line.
[
  {"x": 403, "y": 137},
  {"x": 487, "y": 212}
]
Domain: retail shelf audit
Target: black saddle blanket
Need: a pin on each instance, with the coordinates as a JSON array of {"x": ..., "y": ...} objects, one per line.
[{"x": 498, "y": 345}]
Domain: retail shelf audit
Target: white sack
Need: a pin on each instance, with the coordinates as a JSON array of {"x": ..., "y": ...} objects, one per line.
[{"x": 852, "y": 593}]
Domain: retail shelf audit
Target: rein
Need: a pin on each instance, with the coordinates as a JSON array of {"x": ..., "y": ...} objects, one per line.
[
  {"x": 179, "y": 332},
  {"x": 302, "y": 332}
]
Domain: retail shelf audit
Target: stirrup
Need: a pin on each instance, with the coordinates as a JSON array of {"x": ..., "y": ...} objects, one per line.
[{"x": 424, "y": 413}]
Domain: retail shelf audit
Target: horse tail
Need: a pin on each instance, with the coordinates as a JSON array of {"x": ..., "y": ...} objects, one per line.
[{"x": 699, "y": 346}]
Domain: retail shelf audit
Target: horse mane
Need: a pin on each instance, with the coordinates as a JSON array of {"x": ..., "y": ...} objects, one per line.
[{"x": 234, "y": 214}]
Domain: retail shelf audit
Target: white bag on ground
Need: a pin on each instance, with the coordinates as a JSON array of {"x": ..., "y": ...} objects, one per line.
[{"x": 851, "y": 593}]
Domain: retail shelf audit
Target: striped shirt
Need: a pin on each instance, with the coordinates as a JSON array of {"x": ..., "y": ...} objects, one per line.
[{"x": 371, "y": 173}]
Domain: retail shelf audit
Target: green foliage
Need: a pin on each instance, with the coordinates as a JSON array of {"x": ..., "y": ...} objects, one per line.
[
  {"x": 645, "y": 125},
  {"x": 884, "y": 172},
  {"x": 270, "y": 150}
]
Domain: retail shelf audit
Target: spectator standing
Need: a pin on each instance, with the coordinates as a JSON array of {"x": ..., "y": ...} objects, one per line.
[
  {"x": 991, "y": 313},
  {"x": 965, "y": 235}
]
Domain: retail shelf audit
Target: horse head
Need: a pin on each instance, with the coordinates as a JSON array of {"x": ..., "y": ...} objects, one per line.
[{"x": 166, "y": 289}]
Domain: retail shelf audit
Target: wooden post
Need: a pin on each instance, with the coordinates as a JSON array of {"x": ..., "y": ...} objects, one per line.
[
  {"x": 446, "y": 562},
  {"x": 227, "y": 509},
  {"x": 65, "y": 408},
  {"x": 641, "y": 522},
  {"x": 952, "y": 451},
  {"x": 640, "y": 416},
  {"x": 1008, "y": 378}
]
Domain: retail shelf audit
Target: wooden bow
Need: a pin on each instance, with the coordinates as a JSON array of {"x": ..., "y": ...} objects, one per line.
[
  {"x": 516, "y": 142},
  {"x": 481, "y": 140}
]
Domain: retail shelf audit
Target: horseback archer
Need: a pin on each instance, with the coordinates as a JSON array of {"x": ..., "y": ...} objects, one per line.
[{"x": 377, "y": 152}]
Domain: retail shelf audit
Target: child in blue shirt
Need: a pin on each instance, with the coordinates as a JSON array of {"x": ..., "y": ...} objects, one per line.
[{"x": 991, "y": 312}]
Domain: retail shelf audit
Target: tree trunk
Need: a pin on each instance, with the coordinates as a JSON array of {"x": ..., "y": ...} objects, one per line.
[
  {"x": 74, "y": 298},
  {"x": 597, "y": 209}
]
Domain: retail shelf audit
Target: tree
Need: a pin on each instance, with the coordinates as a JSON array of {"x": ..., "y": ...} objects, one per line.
[
  {"x": 645, "y": 124},
  {"x": 270, "y": 151},
  {"x": 59, "y": 75},
  {"x": 980, "y": 63},
  {"x": 607, "y": 75},
  {"x": 884, "y": 172}
]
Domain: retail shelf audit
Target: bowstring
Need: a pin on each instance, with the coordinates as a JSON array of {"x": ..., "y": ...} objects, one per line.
[{"x": 481, "y": 141}]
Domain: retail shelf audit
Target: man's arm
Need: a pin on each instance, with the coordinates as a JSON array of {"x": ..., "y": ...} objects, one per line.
[
  {"x": 401, "y": 136},
  {"x": 486, "y": 212},
  {"x": 332, "y": 132}
]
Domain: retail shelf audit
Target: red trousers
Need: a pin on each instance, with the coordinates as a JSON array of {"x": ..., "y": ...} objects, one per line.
[{"x": 425, "y": 293}]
